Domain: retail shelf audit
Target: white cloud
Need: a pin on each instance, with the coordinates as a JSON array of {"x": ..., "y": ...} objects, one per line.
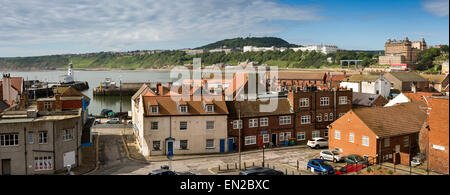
[
  {"x": 437, "y": 7},
  {"x": 112, "y": 24}
]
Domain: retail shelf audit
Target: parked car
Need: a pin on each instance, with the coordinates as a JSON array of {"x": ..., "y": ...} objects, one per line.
[
  {"x": 331, "y": 155},
  {"x": 162, "y": 172},
  {"x": 320, "y": 166},
  {"x": 98, "y": 121},
  {"x": 113, "y": 121},
  {"x": 317, "y": 142},
  {"x": 105, "y": 112},
  {"x": 260, "y": 171},
  {"x": 416, "y": 161},
  {"x": 350, "y": 168},
  {"x": 356, "y": 159}
]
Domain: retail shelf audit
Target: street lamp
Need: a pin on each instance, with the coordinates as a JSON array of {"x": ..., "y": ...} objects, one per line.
[{"x": 239, "y": 127}]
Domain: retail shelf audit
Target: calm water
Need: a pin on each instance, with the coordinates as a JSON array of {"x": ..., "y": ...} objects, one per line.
[{"x": 94, "y": 78}]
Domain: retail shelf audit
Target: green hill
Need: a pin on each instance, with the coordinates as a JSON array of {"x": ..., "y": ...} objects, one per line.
[{"x": 249, "y": 41}]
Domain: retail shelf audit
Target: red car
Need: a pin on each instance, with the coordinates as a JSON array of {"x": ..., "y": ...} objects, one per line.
[{"x": 350, "y": 168}]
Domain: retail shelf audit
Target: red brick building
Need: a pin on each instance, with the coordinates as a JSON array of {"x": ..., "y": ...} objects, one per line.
[
  {"x": 257, "y": 128},
  {"x": 379, "y": 132},
  {"x": 438, "y": 123},
  {"x": 315, "y": 110},
  {"x": 285, "y": 79}
]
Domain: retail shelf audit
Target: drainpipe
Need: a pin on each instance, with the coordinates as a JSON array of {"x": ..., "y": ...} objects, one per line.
[
  {"x": 25, "y": 143},
  {"x": 54, "y": 153}
]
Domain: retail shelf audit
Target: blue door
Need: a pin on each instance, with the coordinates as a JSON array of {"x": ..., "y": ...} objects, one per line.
[
  {"x": 230, "y": 145},
  {"x": 170, "y": 148},
  {"x": 222, "y": 145}
]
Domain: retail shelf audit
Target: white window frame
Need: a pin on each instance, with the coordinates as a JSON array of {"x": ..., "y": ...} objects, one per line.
[
  {"x": 209, "y": 126},
  {"x": 318, "y": 117},
  {"x": 184, "y": 109},
  {"x": 305, "y": 119},
  {"x": 264, "y": 122},
  {"x": 301, "y": 136},
  {"x": 331, "y": 117},
  {"x": 343, "y": 100},
  {"x": 337, "y": 134},
  {"x": 209, "y": 108},
  {"x": 237, "y": 124},
  {"x": 351, "y": 137},
  {"x": 43, "y": 139},
  {"x": 209, "y": 147},
  {"x": 365, "y": 141},
  {"x": 43, "y": 163},
  {"x": 288, "y": 135},
  {"x": 316, "y": 132},
  {"x": 13, "y": 139},
  {"x": 281, "y": 137},
  {"x": 68, "y": 134},
  {"x": 324, "y": 101},
  {"x": 285, "y": 120},
  {"x": 153, "y": 145},
  {"x": 154, "y": 112},
  {"x": 250, "y": 140},
  {"x": 325, "y": 117},
  {"x": 47, "y": 105},
  {"x": 266, "y": 138},
  {"x": 304, "y": 102},
  {"x": 253, "y": 123}
]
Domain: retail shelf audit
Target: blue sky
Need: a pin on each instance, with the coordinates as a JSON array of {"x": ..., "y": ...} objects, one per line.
[{"x": 46, "y": 27}]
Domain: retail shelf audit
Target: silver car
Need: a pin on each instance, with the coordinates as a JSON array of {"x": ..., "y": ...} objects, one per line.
[{"x": 331, "y": 155}]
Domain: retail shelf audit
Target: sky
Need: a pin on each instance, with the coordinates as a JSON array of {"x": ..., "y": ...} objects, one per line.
[{"x": 48, "y": 27}]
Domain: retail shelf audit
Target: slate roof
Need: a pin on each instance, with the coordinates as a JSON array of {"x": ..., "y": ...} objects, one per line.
[
  {"x": 285, "y": 75},
  {"x": 360, "y": 78},
  {"x": 3, "y": 105},
  {"x": 252, "y": 108},
  {"x": 407, "y": 76},
  {"x": 364, "y": 99},
  {"x": 403, "y": 119},
  {"x": 434, "y": 78}
]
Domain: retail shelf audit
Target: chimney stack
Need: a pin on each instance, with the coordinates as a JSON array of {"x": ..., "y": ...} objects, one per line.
[{"x": 58, "y": 103}]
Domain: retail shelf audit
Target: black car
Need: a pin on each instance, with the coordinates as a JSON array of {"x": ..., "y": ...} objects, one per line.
[
  {"x": 162, "y": 172},
  {"x": 260, "y": 171}
]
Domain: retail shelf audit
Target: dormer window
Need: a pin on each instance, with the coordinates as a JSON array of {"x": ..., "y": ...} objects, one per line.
[
  {"x": 209, "y": 108},
  {"x": 154, "y": 109},
  {"x": 183, "y": 109}
]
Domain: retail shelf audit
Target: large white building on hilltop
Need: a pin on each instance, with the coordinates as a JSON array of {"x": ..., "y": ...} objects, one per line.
[
  {"x": 255, "y": 49},
  {"x": 326, "y": 49}
]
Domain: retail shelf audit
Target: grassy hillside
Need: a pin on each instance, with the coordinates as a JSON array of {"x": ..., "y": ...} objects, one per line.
[{"x": 249, "y": 41}]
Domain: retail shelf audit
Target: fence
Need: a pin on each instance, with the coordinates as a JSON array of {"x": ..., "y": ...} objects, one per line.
[
  {"x": 286, "y": 169},
  {"x": 394, "y": 165}
]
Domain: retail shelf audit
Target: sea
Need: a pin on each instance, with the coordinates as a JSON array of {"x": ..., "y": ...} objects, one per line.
[{"x": 94, "y": 78}]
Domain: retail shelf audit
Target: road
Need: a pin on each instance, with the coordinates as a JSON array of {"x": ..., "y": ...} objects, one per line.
[{"x": 115, "y": 161}]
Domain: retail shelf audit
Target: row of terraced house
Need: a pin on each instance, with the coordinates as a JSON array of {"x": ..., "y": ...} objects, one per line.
[{"x": 166, "y": 123}]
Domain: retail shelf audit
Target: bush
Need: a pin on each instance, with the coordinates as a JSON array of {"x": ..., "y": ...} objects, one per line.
[
  {"x": 390, "y": 172},
  {"x": 369, "y": 170}
]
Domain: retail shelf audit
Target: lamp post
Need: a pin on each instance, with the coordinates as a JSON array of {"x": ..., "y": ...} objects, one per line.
[{"x": 239, "y": 127}]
